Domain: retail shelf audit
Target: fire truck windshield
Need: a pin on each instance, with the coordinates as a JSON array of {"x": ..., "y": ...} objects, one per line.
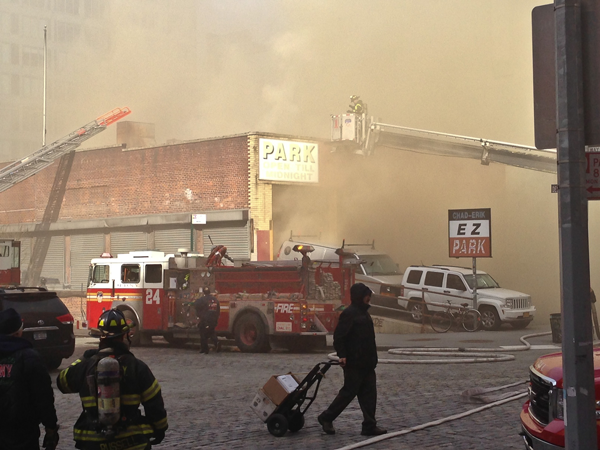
[
  {"x": 378, "y": 265},
  {"x": 101, "y": 274}
]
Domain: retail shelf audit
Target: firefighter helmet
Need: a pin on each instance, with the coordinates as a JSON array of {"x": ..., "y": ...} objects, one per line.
[
  {"x": 206, "y": 290},
  {"x": 112, "y": 323},
  {"x": 354, "y": 97}
]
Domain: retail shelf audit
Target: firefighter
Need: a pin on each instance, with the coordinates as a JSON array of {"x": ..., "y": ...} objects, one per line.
[
  {"x": 26, "y": 395},
  {"x": 135, "y": 383},
  {"x": 356, "y": 105},
  {"x": 208, "y": 310}
]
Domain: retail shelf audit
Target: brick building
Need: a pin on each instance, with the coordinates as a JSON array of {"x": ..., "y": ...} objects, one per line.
[{"x": 122, "y": 198}]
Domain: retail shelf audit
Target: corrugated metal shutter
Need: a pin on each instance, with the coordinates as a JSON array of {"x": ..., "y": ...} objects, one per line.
[
  {"x": 237, "y": 241},
  {"x": 84, "y": 247},
  {"x": 25, "y": 255},
  {"x": 168, "y": 241},
  {"x": 128, "y": 241},
  {"x": 54, "y": 264}
]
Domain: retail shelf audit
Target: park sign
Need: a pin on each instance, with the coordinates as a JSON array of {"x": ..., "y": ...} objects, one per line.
[
  {"x": 592, "y": 173},
  {"x": 470, "y": 233},
  {"x": 288, "y": 161}
]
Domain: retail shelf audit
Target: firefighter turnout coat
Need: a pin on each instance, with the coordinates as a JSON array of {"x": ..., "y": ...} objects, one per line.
[{"x": 137, "y": 385}]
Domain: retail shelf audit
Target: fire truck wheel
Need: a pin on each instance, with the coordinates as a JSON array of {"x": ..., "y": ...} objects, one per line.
[
  {"x": 277, "y": 425},
  {"x": 296, "y": 421},
  {"x": 250, "y": 334},
  {"x": 135, "y": 335}
]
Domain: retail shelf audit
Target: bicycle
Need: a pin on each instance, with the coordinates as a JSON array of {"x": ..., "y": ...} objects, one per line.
[{"x": 470, "y": 319}]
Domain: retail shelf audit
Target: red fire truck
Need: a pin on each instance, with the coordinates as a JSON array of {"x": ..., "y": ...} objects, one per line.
[
  {"x": 291, "y": 304},
  {"x": 10, "y": 262}
]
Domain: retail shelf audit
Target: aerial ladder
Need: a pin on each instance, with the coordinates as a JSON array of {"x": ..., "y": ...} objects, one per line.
[
  {"x": 24, "y": 168},
  {"x": 361, "y": 134}
]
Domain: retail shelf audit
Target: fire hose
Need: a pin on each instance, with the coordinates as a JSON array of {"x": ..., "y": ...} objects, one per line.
[{"x": 457, "y": 356}]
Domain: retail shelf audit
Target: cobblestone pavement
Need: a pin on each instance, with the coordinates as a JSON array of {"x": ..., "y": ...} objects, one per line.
[{"x": 208, "y": 396}]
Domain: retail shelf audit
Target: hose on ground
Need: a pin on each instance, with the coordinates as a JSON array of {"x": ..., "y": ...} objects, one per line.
[{"x": 456, "y": 355}]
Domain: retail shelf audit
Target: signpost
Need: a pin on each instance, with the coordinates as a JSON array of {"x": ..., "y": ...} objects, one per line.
[{"x": 470, "y": 235}]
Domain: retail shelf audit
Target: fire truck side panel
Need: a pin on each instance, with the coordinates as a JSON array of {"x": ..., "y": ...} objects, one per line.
[
  {"x": 257, "y": 280},
  {"x": 153, "y": 307}
]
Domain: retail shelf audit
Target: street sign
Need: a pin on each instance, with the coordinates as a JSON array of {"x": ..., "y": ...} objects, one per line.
[
  {"x": 592, "y": 173},
  {"x": 199, "y": 219},
  {"x": 470, "y": 233}
]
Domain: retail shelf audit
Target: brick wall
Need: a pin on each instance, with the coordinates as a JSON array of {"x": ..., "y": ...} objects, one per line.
[{"x": 111, "y": 182}]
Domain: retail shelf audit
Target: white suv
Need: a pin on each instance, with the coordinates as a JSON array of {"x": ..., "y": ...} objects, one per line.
[{"x": 438, "y": 284}]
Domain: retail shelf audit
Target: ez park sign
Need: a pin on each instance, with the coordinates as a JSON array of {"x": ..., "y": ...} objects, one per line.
[
  {"x": 592, "y": 173},
  {"x": 470, "y": 233}
]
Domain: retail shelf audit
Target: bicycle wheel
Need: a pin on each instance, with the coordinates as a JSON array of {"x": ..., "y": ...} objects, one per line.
[
  {"x": 441, "y": 321},
  {"x": 471, "y": 320}
]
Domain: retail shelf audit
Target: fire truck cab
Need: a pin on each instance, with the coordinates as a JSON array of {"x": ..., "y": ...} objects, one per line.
[{"x": 10, "y": 262}]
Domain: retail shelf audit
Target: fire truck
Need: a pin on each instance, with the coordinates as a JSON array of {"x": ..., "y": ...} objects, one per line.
[
  {"x": 10, "y": 262},
  {"x": 291, "y": 304}
]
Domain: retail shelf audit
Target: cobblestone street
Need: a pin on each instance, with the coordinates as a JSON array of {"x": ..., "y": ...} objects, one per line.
[{"x": 208, "y": 401}]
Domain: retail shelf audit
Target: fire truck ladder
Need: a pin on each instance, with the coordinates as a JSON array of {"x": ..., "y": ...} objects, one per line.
[
  {"x": 65, "y": 150},
  {"x": 32, "y": 164}
]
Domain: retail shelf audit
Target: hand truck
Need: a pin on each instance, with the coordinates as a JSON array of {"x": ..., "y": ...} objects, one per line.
[{"x": 289, "y": 415}]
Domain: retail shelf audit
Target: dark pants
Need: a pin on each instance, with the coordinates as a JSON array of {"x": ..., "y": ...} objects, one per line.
[
  {"x": 207, "y": 331},
  {"x": 361, "y": 383},
  {"x": 26, "y": 438}
]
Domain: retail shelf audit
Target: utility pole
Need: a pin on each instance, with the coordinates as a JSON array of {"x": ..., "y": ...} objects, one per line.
[
  {"x": 578, "y": 363},
  {"x": 44, "y": 101}
]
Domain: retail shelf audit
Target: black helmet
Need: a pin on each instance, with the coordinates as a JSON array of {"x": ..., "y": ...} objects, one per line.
[
  {"x": 206, "y": 290},
  {"x": 112, "y": 323}
]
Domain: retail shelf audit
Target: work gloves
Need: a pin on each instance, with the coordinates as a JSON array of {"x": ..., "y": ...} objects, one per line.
[
  {"x": 50, "y": 438},
  {"x": 157, "y": 437}
]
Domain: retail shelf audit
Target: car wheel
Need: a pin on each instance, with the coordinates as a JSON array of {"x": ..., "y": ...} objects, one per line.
[
  {"x": 416, "y": 310},
  {"x": 490, "y": 320}
]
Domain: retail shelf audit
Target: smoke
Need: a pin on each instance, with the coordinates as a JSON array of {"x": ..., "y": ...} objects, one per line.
[{"x": 217, "y": 67}]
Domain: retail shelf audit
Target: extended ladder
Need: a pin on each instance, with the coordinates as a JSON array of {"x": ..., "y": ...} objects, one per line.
[{"x": 32, "y": 164}]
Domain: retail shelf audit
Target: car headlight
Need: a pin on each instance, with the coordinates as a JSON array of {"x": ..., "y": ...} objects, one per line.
[
  {"x": 558, "y": 409},
  {"x": 509, "y": 303},
  {"x": 393, "y": 291}
]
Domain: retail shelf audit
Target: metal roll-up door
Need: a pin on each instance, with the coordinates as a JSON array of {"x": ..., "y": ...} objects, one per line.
[
  {"x": 25, "y": 256},
  {"x": 53, "y": 269},
  {"x": 168, "y": 241},
  {"x": 236, "y": 239},
  {"x": 84, "y": 247},
  {"x": 128, "y": 241}
]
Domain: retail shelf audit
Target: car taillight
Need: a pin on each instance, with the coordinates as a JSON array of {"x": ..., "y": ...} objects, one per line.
[{"x": 66, "y": 319}]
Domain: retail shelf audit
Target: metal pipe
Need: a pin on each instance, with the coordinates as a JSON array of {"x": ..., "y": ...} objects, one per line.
[
  {"x": 44, "y": 101},
  {"x": 578, "y": 367}
]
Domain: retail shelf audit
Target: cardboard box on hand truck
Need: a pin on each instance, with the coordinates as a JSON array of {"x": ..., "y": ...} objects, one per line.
[
  {"x": 262, "y": 405},
  {"x": 279, "y": 387}
]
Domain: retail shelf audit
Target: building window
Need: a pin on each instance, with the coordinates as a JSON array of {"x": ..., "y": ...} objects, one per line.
[
  {"x": 15, "y": 85},
  {"x": 66, "y": 32},
  {"x": 14, "y": 24},
  {"x": 4, "y": 53},
  {"x": 33, "y": 56},
  {"x": 67, "y": 6}
]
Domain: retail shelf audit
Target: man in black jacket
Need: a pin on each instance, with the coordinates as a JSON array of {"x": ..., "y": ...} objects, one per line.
[
  {"x": 354, "y": 342},
  {"x": 26, "y": 395}
]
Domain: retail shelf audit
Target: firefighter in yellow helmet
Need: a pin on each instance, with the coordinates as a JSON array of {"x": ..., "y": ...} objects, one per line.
[
  {"x": 111, "y": 393},
  {"x": 356, "y": 105}
]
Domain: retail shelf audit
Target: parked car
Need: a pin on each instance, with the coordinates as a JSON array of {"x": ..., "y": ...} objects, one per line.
[
  {"x": 47, "y": 322},
  {"x": 543, "y": 414},
  {"x": 438, "y": 284},
  {"x": 376, "y": 269}
]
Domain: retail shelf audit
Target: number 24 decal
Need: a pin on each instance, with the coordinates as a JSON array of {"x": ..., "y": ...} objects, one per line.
[{"x": 152, "y": 296}]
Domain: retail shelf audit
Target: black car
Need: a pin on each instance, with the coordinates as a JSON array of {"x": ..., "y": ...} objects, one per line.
[{"x": 47, "y": 322}]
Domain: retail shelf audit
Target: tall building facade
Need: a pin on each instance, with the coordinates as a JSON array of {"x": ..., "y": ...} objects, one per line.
[{"x": 73, "y": 27}]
